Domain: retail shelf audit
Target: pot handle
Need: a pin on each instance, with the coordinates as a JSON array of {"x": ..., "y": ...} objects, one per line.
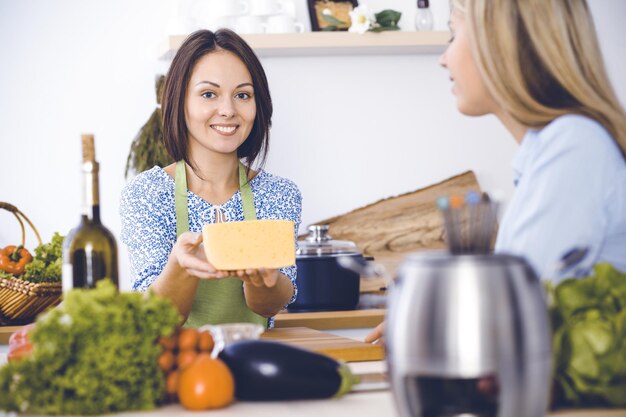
[{"x": 365, "y": 267}]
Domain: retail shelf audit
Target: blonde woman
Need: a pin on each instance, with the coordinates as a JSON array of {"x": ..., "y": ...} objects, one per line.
[{"x": 536, "y": 65}]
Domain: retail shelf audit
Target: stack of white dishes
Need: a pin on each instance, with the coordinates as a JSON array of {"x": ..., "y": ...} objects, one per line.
[{"x": 247, "y": 16}]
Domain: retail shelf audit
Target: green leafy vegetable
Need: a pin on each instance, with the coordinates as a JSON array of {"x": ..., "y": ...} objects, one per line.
[
  {"x": 96, "y": 353},
  {"x": 47, "y": 262},
  {"x": 589, "y": 338},
  {"x": 387, "y": 20}
]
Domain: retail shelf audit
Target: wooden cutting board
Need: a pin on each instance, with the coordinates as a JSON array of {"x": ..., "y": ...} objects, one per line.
[
  {"x": 336, "y": 347},
  {"x": 324, "y": 320},
  {"x": 391, "y": 228}
]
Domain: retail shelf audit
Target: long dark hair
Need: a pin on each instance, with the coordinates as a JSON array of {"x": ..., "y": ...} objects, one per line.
[{"x": 197, "y": 45}]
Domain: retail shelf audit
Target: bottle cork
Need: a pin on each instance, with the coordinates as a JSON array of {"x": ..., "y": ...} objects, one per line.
[{"x": 89, "y": 150}]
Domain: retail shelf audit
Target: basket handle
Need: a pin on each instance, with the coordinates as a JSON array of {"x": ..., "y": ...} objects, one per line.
[{"x": 17, "y": 213}]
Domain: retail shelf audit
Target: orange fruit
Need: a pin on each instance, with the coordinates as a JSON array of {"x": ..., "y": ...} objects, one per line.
[
  {"x": 187, "y": 339},
  {"x": 168, "y": 342},
  {"x": 186, "y": 358},
  {"x": 205, "y": 341},
  {"x": 206, "y": 383},
  {"x": 171, "y": 383},
  {"x": 166, "y": 360}
]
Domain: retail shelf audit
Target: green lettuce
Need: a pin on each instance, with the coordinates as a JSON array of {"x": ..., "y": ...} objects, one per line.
[
  {"x": 96, "y": 353},
  {"x": 47, "y": 263},
  {"x": 589, "y": 339}
]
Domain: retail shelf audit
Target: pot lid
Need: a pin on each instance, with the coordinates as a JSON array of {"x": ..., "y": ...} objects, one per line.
[{"x": 319, "y": 243}]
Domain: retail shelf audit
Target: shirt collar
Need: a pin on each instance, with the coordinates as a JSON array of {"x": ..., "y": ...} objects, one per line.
[{"x": 523, "y": 154}]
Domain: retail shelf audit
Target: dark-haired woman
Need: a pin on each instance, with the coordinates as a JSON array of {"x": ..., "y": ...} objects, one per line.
[{"x": 217, "y": 113}]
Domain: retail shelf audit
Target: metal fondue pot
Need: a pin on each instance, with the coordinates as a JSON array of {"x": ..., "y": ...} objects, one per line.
[{"x": 468, "y": 335}]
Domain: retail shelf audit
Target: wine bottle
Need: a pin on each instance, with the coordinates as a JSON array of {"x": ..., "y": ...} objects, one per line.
[{"x": 89, "y": 250}]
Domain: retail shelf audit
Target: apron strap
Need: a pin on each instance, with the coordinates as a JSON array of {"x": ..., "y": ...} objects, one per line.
[
  {"x": 247, "y": 198},
  {"x": 216, "y": 301},
  {"x": 180, "y": 199}
]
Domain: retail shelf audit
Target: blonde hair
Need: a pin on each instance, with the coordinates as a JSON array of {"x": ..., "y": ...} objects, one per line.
[{"x": 541, "y": 59}]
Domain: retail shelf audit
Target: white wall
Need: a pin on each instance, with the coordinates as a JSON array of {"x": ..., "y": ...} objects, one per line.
[{"x": 348, "y": 130}]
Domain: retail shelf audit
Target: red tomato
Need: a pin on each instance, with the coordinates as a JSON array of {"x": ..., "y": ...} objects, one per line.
[
  {"x": 19, "y": 352},
  {"x": 21, "y": 336}
]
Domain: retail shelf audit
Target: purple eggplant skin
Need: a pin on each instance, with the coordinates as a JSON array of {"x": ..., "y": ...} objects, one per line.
[{"x": 271, "y": 371}]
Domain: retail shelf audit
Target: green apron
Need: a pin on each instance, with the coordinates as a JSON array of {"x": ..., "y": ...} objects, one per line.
[{"x": 222, "y": 300}]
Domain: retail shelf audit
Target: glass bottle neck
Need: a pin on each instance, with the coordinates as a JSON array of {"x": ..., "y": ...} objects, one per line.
[
  {"x": 91, "y": 214},
  {"x": 91, "y": 196}
]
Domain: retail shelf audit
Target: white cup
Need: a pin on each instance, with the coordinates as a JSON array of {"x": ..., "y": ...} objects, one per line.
[
  {"x": 250, "y": 24},
  {"x": 265, "y": 7},
  {"x": 212, "y": 9},
  {"x": 288, "y": 7},
  {"x": 283, "y": 24},
  {"x": 214, "y": 23},
  {"x": 217, "y": 14}
]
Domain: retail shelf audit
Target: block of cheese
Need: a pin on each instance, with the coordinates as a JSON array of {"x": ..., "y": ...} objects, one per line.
[{"x": 250, "y": 244}]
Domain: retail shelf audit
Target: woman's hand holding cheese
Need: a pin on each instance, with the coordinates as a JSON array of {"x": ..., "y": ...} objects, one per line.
[
  {"x": 189, "y": 254},
  {"x": 258, "y": 277}
]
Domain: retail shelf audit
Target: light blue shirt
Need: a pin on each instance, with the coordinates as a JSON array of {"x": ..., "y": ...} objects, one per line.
[{"x": 570, "y": 180}]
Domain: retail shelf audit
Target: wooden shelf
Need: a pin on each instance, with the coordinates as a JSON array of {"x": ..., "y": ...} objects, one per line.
[{"x": 336, "y": 43}]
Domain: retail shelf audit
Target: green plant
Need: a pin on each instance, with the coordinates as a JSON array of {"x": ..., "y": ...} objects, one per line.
[
  {"x": 148, "y": 149},
  {"x": 589, "y": 338},
  {"x": 363, "y": 20},
  {"x": 47, "y": 263},
  {"x": 96, "y": 353}
]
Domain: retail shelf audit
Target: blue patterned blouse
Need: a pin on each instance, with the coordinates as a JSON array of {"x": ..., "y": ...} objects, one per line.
[{"x": 149, "y": 218}]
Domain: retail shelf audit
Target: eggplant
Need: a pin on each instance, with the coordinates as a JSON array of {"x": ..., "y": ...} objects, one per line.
[{"x": 272, "y": 371}]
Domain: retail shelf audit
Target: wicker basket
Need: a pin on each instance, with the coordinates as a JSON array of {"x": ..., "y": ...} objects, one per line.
[{"x": 20, "y": 300}]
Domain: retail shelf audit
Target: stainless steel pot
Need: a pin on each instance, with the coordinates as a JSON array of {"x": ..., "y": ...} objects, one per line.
[
  {"x": 468, "y": 335},
  {"x": 323, "y": 285}
]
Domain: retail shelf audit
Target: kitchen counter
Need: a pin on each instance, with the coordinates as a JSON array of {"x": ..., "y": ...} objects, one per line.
[
  {"x": 363, "y": 404},
  {"x": 378, "y": 404}
]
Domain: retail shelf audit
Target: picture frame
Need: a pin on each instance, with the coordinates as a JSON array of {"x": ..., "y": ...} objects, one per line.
[{"x": 338, "y": 9}]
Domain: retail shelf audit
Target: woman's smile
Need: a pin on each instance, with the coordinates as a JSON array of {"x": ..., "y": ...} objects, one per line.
[{"x": 224, "y": 129}]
